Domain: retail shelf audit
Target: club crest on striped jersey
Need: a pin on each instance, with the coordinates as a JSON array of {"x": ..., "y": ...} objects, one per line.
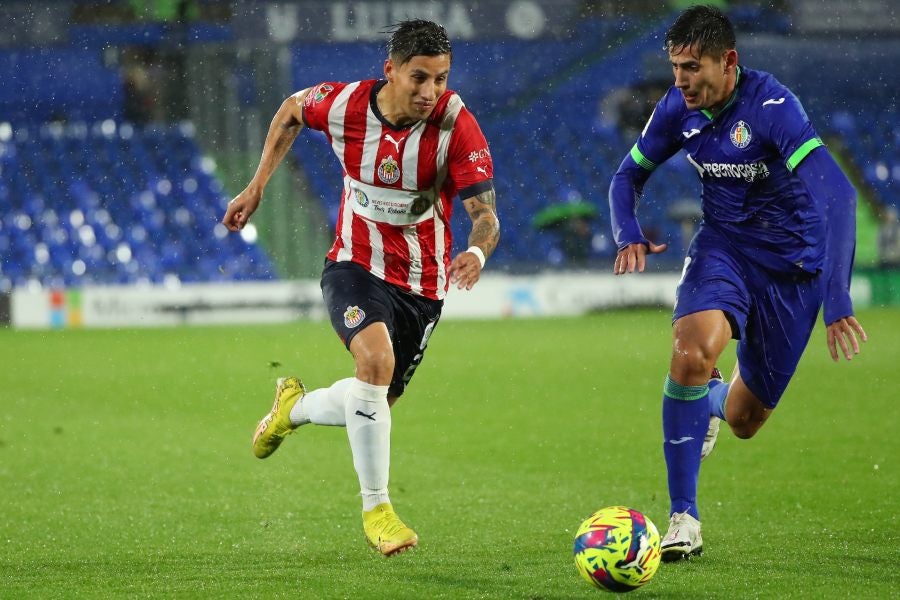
[
  {"x": 389, "y": 170},
  {"x": 353, "y": 316},
  {"x": 740, "y": 134}
]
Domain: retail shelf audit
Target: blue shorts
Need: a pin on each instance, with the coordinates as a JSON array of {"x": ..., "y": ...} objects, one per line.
[
  {"x": 355, "y": 299},
  {"x": 771, "y": 314}
]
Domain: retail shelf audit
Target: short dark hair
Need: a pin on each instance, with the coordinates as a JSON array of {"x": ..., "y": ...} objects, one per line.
[
  {"x": 417, "y": 37},
  {"x": 705, "y": 28}
]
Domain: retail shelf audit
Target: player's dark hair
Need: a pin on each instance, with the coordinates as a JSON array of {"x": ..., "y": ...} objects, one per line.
[
  {"x": 704, "y": 28},
  {"x": 417, "y": 37}
]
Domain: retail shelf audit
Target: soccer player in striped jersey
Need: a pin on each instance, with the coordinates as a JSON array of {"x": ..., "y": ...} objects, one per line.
[
  {"x": 407, "y": 146},
  {"x": 776, "y": 241}
]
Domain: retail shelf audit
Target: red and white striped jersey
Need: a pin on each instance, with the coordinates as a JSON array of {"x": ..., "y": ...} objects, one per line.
[{"x": 399, "y": 182}]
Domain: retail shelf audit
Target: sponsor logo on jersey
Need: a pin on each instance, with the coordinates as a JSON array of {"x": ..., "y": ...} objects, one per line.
[
  {"x": 389, "y": 170},
  {"x": 772, "y": 101},
  {"x": 740, "y": 134},
  {"x": 477, "y": 155},
  {"x": 322, "y": 91},
  {"x": 353, "y": 316},
  {"x": 747, "y": 171},
  {"x": 361, "y": 198},
  {"x": 689, "y": 134}
]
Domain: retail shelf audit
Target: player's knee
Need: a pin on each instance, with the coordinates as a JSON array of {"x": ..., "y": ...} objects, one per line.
[
  {"x": 691, "y": 363},
  {"x": 744, "y": 431},
  {"x": 744, "y": 426},
  {"x": 375, "y": 366}
]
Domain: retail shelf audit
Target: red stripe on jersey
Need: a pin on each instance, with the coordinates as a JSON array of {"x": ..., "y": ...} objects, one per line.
[
  {"x": 430, "y": 258},
  {"x": 396, "y": 256},
  {"x": 362, "y": 246},
  {"x": 428, "y": 146},
  {"x": 339, "y": 241}
]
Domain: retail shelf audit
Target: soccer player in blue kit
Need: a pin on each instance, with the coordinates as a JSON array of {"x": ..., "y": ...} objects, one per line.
[{"x": 776, "y": 241}]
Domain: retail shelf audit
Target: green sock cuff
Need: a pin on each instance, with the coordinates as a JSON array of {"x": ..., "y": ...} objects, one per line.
[{"x": 684, "y": 392}]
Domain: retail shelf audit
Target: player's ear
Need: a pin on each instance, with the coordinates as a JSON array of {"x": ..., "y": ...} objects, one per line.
[
  {"x": 730, "y": 60},
  {"x": 389, "y": 70}
]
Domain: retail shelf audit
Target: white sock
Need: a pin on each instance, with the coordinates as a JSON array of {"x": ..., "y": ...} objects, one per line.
[
  {"x": 369, "y": 430},
  {"x": 324, "y": 406}
]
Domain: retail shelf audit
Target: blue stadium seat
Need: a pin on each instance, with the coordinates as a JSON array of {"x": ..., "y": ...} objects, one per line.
[{"x": 114, "y": 204}]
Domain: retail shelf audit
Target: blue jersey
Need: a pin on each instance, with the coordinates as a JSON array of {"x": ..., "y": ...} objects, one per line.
[{"x": 745, "y": 157}]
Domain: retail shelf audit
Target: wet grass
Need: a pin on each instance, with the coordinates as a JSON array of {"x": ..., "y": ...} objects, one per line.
[{"x": 125, "y": 467}]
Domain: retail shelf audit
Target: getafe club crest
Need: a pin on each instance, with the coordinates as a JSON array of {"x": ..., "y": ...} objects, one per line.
[
  {"x": 389, "y": 170},
  {"x": 353, "y": 316},
  {"x": 740, "y": 134}
]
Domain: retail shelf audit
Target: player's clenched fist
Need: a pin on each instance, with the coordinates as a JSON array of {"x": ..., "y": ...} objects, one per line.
[{"x": 240, "y": 209}]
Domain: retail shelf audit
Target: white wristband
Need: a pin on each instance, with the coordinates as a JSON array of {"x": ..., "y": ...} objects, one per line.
[{"x": 479, "y": 253}]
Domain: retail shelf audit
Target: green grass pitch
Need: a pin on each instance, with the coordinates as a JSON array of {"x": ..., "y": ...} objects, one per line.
[{"x": 126, "y": 471}]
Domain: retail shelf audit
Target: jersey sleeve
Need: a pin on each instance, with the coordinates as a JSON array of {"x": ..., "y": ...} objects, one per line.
[
  {"x": 660, "y": 138},
  {"x": 658, "y": 141},
  {"x": 836, "y": 198},
  {"x": 469, "y": 157},
  {"x": 789, "y": 128},
  {"x": 317, "y": 104}
]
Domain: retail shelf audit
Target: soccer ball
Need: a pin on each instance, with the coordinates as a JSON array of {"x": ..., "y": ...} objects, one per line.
[{"x": 617, "y": 549}]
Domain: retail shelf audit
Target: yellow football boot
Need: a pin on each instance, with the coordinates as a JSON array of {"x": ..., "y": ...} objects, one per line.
[
  {"x": 273, "y": 428},
  {"x": 386, "y": 532}
]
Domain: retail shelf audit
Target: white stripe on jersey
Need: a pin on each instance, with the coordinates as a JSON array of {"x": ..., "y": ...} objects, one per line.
[
  {"x": 377, "y": 245},
  {"x": 346, "y": 228},
  {"x": 453, "y": 107},
  {"x": 410, "y": 165},
  {"x": 336, "y": 121},
  {"x": 370, "y": 146},
  {"x": 415, "y": 259}
]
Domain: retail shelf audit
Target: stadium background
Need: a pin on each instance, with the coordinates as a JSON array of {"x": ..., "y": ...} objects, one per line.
[{"x": 125, "y": 127}]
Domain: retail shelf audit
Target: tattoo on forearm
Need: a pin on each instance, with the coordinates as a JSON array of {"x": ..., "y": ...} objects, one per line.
[{"x": 485, "y": 225}]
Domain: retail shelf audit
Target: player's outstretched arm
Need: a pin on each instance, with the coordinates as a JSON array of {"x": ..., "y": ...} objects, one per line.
[
  {"x": 465, "y": 269},
  {"x": 834, "y": 194},
  {"x": 285, "y": 126}
]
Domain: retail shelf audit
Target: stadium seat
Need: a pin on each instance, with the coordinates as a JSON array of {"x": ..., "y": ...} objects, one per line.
[{"x": 115, "y": 204}]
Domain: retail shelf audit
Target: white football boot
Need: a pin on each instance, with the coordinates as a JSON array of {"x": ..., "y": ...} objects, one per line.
[
  {"x": 683, "y": 539},
  {"x": 709, "y": 441},
  {"x": 712, "y": 433}
]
